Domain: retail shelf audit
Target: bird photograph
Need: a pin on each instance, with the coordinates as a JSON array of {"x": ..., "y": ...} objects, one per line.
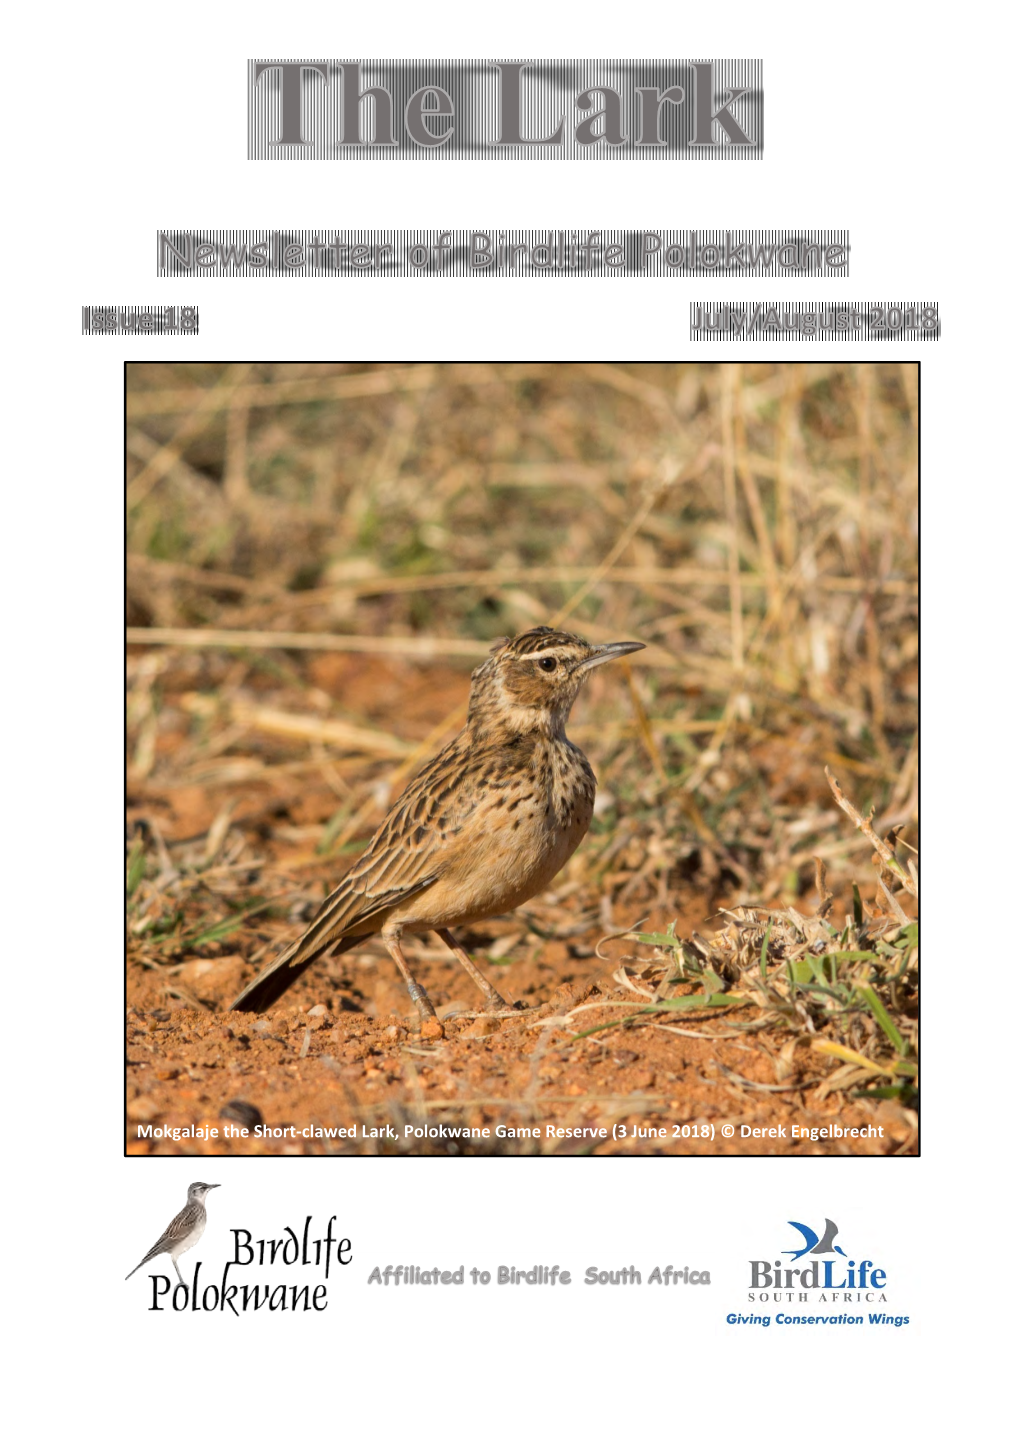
[
  {"x": 521, "y": 758},
  {"x": 484, "y": 827},
  {"x": 183, "y": 1232}
]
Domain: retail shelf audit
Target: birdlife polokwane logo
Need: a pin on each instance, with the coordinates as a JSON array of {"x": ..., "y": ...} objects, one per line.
[
  {"x": 310, "y": 1255},
  {"x": 817, "y": 1269}
]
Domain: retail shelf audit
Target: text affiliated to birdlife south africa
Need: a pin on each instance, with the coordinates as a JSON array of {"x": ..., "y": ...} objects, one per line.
[{"x": 536, "y": 1276}]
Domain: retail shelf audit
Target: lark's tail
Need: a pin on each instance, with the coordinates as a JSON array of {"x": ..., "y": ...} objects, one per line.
[
  {"x": 147, "y": 1258},
  {"x": 273, "y": 981}
]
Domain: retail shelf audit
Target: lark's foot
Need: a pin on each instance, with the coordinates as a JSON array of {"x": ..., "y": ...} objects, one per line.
[
  {"x": 415, "y": 990},
  {"x": 493, "y": 1001}
]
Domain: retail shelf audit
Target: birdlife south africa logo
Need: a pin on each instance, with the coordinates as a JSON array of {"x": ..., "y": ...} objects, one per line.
[{"x": 817, "y": 1268}]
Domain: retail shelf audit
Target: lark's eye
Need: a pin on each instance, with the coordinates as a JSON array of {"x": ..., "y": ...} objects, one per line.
[{"x": 548, "y": 663}]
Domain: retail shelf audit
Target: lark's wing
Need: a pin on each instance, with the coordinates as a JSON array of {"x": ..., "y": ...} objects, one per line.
[
  {"x": 324, "y": 932},
  {"x": 178, "y": 1228},
  {"x": 406, "y": 855}
]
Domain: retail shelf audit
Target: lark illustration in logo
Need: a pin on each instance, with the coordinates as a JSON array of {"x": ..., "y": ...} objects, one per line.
[
  {"x": 812, "y": 1244},
  {"x": 185, "y": 1229}
]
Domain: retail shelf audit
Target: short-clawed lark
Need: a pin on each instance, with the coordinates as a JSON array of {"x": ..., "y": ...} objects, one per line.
[
  {"x": 484, "y": 827},
  {"x": 184, "y": 1231}
]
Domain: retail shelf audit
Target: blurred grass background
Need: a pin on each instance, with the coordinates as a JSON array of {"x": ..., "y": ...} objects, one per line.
[
  {"x": 318, "y": 555},
  {"x": 756, "y": 525}
]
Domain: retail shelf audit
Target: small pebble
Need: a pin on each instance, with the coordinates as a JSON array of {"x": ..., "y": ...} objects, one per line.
[
  {"x": 142, "y": 1109},
  {"x": 482, "y": 1026},
  {"x": 243, "y": 1113}
]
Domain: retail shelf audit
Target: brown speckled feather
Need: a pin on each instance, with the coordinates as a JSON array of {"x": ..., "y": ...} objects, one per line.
[{"x": 407, "y": 853}]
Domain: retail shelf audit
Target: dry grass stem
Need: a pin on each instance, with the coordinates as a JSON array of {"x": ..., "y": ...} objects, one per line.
[
  {"x": 421, "y": 646},
  {"x": 863, "y": 824}
]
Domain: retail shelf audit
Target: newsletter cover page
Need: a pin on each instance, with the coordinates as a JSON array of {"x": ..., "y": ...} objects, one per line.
[{"x": 491, "y": 476}]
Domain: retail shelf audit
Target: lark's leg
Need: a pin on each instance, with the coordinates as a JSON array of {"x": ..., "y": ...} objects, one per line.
[
  {"x": 493, "y": 999},
  {"x": 416, "y": 991},
  {"x": 177, "y": 1270}
]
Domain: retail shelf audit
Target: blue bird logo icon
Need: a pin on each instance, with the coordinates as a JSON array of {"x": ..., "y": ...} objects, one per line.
[{"x": 813, "y": 1244}]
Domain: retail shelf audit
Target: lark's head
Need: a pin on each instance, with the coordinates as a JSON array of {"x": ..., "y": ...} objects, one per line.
[
  {"x": 530, "y": 682},
  {"x": 198, "y": 1191}
]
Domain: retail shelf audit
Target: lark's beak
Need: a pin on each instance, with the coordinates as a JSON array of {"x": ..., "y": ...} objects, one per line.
[{"x": 611, "y": 651}]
